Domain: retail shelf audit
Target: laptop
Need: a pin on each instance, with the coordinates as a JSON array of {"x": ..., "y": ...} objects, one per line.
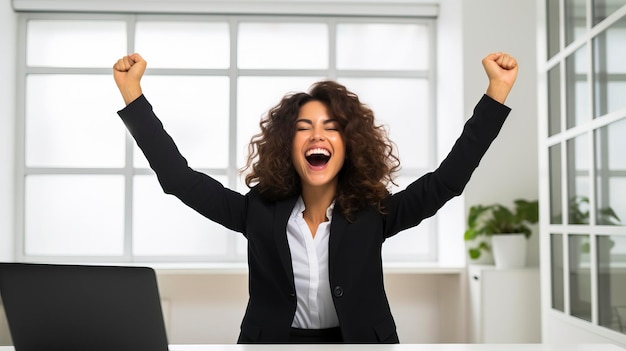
[{"x": 80, "y": 307}]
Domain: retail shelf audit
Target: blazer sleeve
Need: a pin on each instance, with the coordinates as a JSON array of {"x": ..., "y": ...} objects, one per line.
[
  {"x": 425, "y": 196},
  {"x": 199, "y": 191}
]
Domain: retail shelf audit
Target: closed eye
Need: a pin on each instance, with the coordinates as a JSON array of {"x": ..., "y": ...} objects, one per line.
[
  {"x": 331, "y": 124},
  {"x": 303, "y": 124}
]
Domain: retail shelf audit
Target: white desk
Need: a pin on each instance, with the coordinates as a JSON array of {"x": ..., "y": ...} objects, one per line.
[
  {"x": 397, "y": 347},
  {"x": 400, "y": 347}
]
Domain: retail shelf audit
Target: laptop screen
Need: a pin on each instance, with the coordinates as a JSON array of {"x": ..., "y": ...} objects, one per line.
[{"x": 81, "y": 307}]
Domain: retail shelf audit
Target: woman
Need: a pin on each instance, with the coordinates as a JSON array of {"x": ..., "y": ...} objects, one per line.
[{"x": 318, "y": 209}]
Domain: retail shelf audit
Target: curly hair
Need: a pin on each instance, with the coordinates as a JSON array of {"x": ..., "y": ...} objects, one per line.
[{"x": 370, "y": 159}]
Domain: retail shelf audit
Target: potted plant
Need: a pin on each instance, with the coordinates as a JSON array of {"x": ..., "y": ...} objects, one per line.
[{"x": 503, "y": 225}]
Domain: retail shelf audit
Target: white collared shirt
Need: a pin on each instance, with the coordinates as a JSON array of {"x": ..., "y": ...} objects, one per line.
[{"x": 309, "y": 258}]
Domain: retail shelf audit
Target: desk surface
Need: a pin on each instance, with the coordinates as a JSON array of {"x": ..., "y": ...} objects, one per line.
[
  {"x": 400, "y": 347},
  {"x": 397, "y": 347}
]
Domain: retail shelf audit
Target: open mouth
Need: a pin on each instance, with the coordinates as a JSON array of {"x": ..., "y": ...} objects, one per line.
[{"x": 317, "y": 157}]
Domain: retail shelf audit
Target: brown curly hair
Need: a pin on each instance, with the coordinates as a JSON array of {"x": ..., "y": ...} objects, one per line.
[{"x": 370, "y": 159}]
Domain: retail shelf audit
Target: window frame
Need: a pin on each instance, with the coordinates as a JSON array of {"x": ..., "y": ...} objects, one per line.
[
  {"x": 233, "y": 72},
  {"x": 564, "y": 175}
]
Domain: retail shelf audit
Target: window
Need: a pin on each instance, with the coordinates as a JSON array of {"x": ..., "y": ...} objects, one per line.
[
  {"x": 582, "y": 143},
  {"x": 85, "y": 191}
]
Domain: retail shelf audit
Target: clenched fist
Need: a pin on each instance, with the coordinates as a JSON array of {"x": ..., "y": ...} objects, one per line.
[
  {"x": 127, "y": 73},
  {"x": 501, "y": 69}
]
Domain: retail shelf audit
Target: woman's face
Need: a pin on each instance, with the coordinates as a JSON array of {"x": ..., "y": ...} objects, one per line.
[{"x": 318, "y": 149}]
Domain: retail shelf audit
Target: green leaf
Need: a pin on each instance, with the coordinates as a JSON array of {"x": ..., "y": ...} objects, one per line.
[
  {"x": 470, "y": 234},
  {"x": 474, "y": 254}
]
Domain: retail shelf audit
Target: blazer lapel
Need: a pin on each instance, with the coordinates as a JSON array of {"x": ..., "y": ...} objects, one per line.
[
  {"x": 283, "y": 211},
  {"x": 338, "y": 228}
]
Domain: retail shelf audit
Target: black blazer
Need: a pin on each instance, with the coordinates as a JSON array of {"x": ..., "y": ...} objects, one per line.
[{"x": 355, "y": 265}]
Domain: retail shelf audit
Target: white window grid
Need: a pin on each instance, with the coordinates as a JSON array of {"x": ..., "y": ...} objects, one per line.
[
  {"x": 570, "y": 41},
  {"x": 231, "y": 172}
]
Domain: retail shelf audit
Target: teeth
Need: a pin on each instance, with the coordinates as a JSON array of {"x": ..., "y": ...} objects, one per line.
[{"x": 318, "y": 151}]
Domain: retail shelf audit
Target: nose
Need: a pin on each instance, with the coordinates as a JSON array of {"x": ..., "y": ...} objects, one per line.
[{"x": 317, "y": 134}]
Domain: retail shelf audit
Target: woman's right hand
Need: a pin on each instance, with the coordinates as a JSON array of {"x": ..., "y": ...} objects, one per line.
[{"x": 127, "y": 73}]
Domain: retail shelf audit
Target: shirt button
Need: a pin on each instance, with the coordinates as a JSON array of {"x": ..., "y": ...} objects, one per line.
[{"x": 338, "y": 291}]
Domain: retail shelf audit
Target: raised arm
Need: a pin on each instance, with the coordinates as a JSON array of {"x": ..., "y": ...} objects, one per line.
[
  {"x": 425, "y": 196},
  {"x": 127, "y": 73},
  {"x": 197, "y": 190}
]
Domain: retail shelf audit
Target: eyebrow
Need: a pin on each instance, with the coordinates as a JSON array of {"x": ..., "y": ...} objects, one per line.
[{"x": 308, "y": 121}]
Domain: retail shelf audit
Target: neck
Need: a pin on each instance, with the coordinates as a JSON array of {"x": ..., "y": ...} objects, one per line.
[{"x": 316, "y": 200}]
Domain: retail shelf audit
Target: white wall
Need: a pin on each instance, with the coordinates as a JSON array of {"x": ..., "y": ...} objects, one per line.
[
  {"x": 8, "y": 29},
  {"x": 7, "y": 113}
]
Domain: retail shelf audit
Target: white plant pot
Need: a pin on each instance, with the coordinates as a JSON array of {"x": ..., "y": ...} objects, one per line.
[{"x": 509, "y": 250}]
